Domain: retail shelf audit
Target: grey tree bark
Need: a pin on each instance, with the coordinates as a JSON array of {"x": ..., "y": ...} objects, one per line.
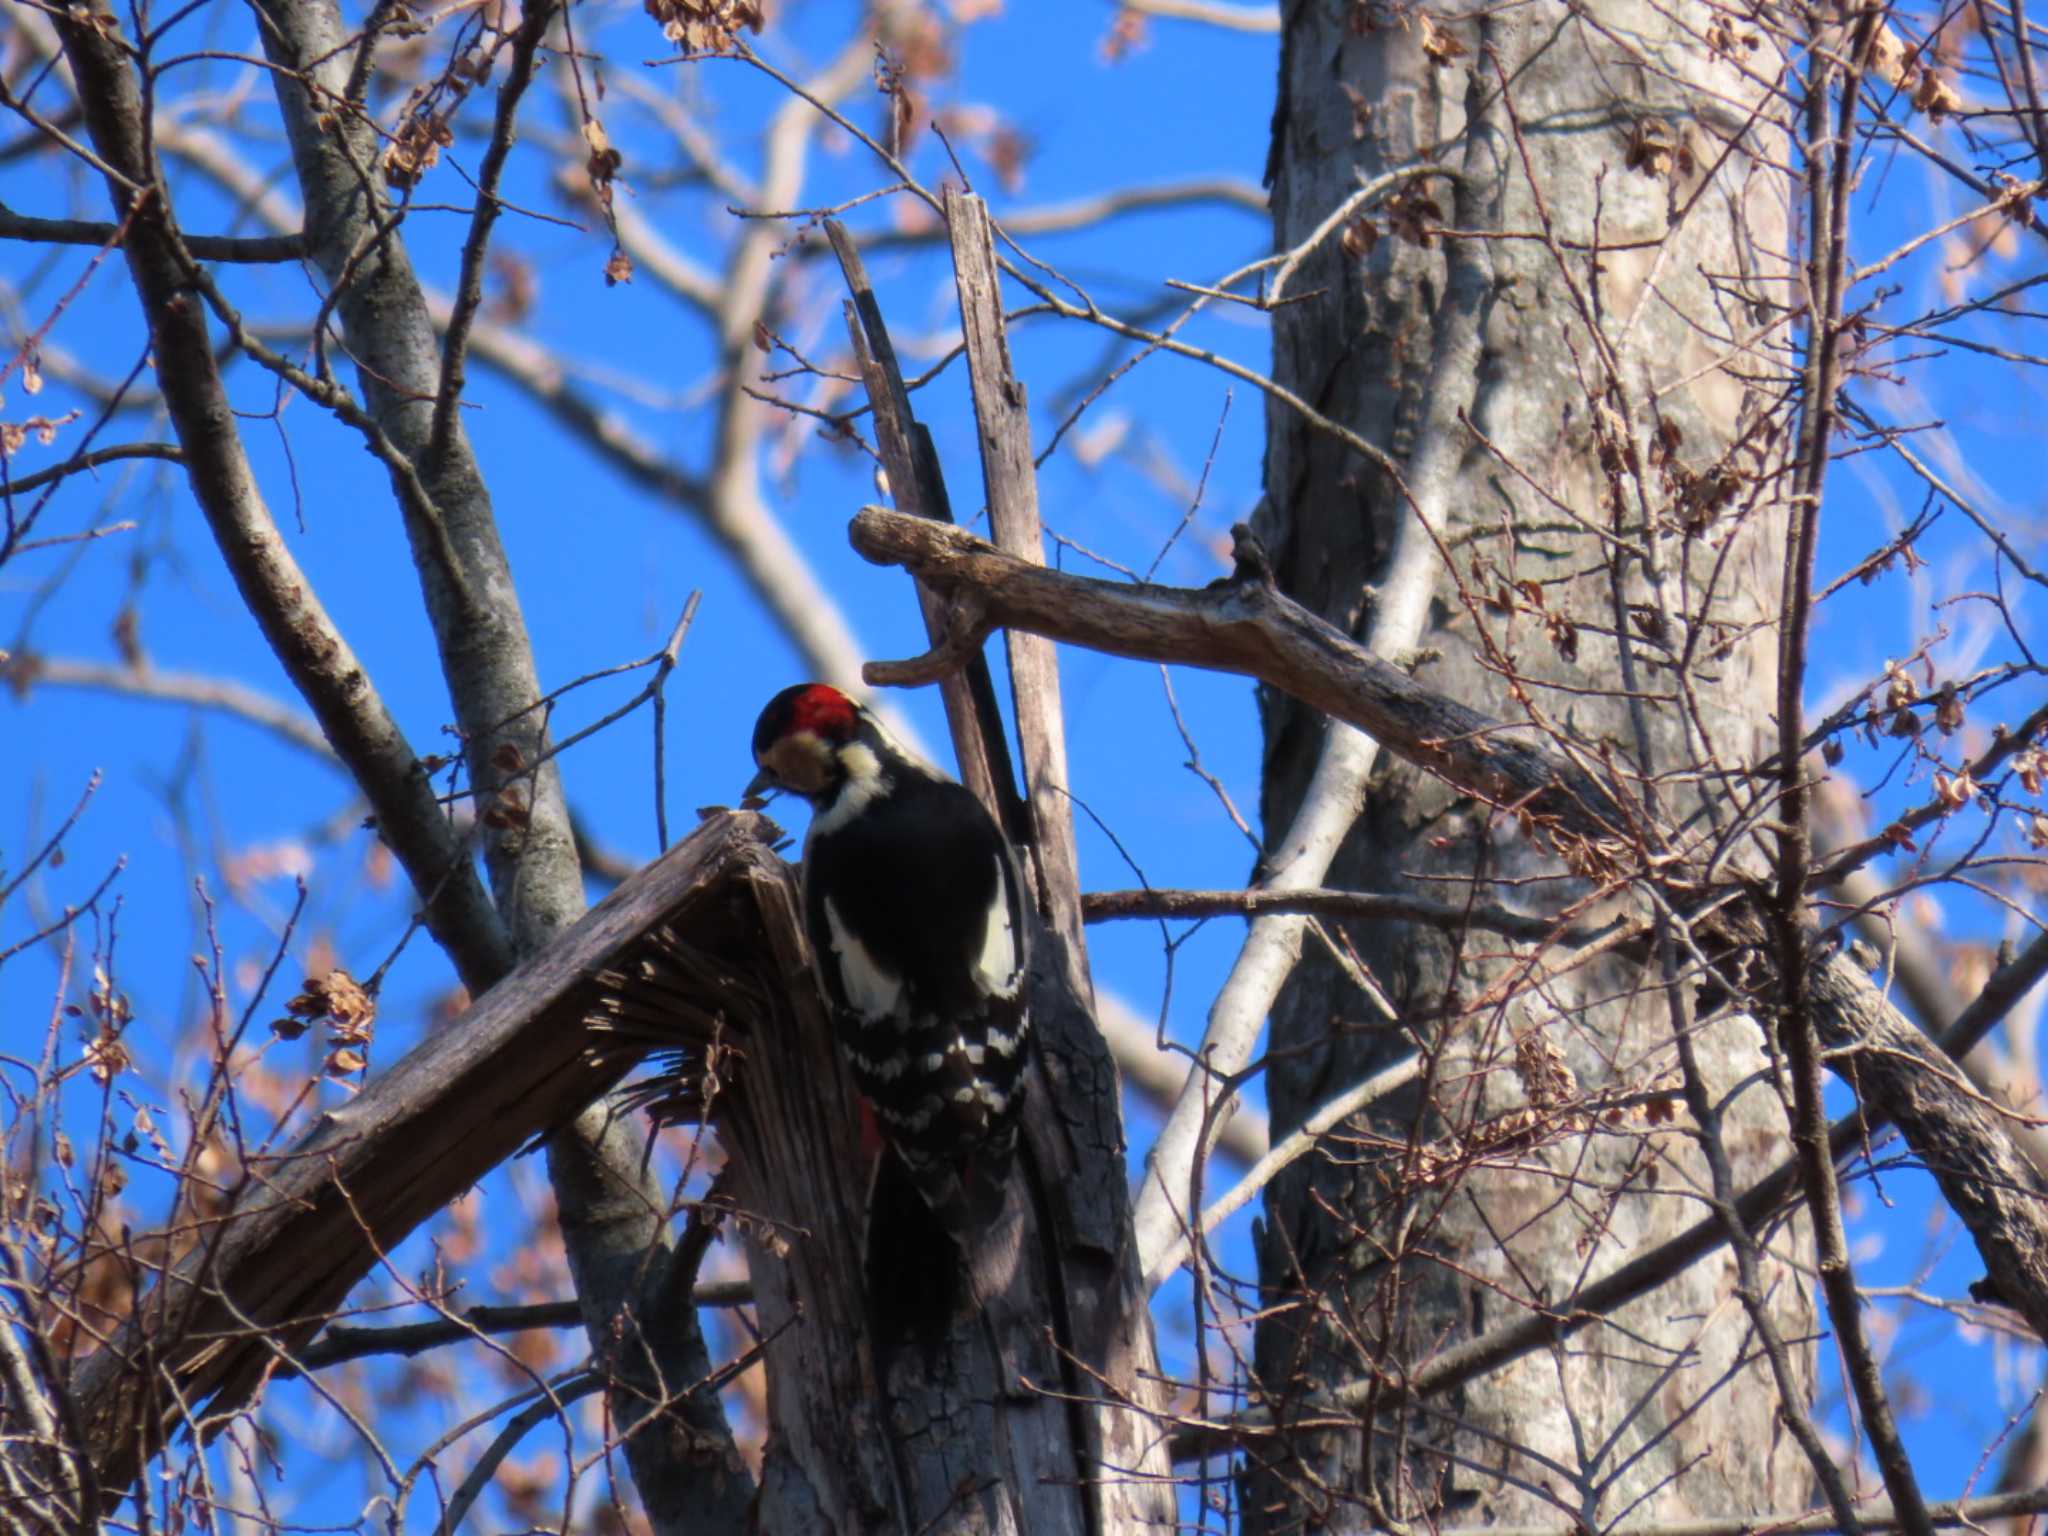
[{"x": 1639, "y": 172}]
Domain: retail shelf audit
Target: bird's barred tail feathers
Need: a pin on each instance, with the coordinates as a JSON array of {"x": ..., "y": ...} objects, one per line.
[{"x": 951, "y": 1124}]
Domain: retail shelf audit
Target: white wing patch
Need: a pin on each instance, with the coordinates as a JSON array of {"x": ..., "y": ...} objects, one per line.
[
  {"x": 996, "y": 966},
  {"x": 871, "y": 991}
]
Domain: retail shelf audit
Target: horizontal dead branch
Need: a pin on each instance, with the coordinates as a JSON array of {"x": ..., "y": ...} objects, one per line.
[{"x": 1244, "y": 625}]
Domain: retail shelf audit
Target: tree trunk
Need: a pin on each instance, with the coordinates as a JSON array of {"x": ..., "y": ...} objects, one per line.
[{"x": 1596, "y": 575}]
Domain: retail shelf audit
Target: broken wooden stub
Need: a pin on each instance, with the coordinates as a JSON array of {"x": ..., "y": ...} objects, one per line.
[{"x": 311, "y": 1221}]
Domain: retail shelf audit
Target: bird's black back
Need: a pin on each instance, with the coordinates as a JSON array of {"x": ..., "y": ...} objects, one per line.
[{"x": 912, "y": 878}]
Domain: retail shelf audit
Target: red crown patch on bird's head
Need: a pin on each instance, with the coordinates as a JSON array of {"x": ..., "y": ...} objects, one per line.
[
  {"x": 822, "y": 708},
  {"x": 797, "y": 735}
]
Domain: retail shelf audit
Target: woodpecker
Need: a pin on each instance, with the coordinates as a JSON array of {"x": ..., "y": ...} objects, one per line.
[{"x": 916, "y": 919}]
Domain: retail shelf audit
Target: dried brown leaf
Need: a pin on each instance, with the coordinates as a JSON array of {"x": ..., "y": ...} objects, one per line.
[
  {"x": 1439, "y": 45},
  {"x": 1935, "y": 96}
]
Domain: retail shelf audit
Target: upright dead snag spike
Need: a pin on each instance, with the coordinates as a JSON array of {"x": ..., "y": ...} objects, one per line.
[
  {"x": 919, "y": 488},
  {"x": 998, "y": 1426},
  {"x": 1107, "y": 1323},
  {"x": 1011, "y": 480}
]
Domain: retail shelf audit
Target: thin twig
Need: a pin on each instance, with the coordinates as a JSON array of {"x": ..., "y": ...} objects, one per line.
[
  {"x": 1152, "y": 903},
  {"x": 342, "y": 1343}
]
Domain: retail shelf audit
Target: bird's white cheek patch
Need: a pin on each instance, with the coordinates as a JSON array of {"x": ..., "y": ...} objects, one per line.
[
  {"x": 871, "y": 990},
  {"x": 996, "y": 967},
  {"x": 864, "y": 781}
]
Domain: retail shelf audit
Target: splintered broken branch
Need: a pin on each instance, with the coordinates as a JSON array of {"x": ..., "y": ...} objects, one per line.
[
  {"x": 310, "y": 1222},
  {"x": 917, "y": 483}
]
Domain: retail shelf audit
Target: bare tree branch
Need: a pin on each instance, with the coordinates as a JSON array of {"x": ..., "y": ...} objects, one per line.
[
  {"x": 1214, "y": 13},
  {"x": 980, "y": 749},
  {"x": 233, "y": 248},
  {"x": 313, "y": 652},
  {"x": 1301, "y": 856},
  {"x": 1297, "y": 1143},
  {"x": 1827, "y": 186},
  {"x": 1011, "y": 480},
  {"x": 170, "y": 453},
  {"x": 485, "y": 653},
  {"x": 29, "y": 671},
  {"x": 535, "y": 18},
  {"x": 1247, "y": 626},
  {"x": 1086, "y": 212},
  {"x": 344, "y": 1342},
  {"x": 612, "y": 1213},
  {"x": 1757, "y": 1206},
  {"x": 1111, "y": 906},
  {"x": 773, "y": 565}
]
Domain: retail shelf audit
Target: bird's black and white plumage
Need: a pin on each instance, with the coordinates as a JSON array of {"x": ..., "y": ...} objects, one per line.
[{"x": 914, "y": 911}]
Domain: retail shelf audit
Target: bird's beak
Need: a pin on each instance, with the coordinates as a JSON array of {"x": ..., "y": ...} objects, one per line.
[{"x": 760, "y": 786}]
